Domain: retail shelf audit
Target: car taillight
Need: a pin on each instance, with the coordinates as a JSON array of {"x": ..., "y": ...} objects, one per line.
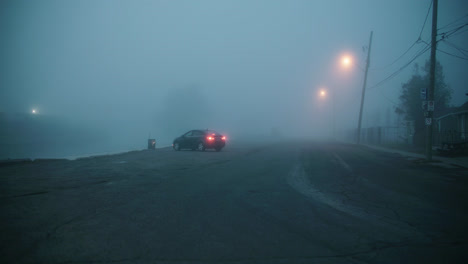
[
  {"x": 223, "y": 138},
  {"x": 210, "y": 138}
]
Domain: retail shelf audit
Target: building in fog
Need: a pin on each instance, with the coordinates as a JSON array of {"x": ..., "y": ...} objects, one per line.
[{"x": 452, "y": 125}]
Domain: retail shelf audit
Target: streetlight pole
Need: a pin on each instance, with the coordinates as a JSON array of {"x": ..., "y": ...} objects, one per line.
[
  {"x": 364, "y": 89},
  {"x": 332, "y": 90},
  {"x": 323, "y": 94}
]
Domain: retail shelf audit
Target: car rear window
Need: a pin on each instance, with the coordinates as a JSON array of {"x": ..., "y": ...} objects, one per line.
[{"x": 212, "y": 132}]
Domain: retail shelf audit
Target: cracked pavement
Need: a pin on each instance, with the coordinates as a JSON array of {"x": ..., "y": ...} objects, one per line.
[{"x": 291, "y": 202}]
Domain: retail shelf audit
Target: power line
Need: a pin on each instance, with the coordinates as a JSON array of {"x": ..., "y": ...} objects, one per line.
[
  {"x": 453, "y": 55},
  {"x": 461, "y": 32},
  {"x": 425, "y": 20},
  {"x": 388, "y": 99},
  {"x": 397, "y": 59},
  {"x": 421, "y": 52},
  {"x": 451, "y": 32},
  {"x": 412, "y": 45},
  {"x": 391, "y": 76},
  {"x": 453, "y": 22},
  {"x": 455, "y": 46},
  {"x": 462, "y": 51},
  {"x": 425, "y": 49}
]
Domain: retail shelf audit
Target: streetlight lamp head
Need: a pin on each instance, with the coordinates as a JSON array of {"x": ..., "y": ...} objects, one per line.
[
  {"x": 323, "y": 93},
  {"x": 346, "y": 61}
]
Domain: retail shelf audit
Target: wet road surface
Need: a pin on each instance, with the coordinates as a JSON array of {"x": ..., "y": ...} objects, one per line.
[{"x": 295, "y": 202}]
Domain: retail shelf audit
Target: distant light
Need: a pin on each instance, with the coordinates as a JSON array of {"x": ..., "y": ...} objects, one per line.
[{"x": 34, "y": 111}]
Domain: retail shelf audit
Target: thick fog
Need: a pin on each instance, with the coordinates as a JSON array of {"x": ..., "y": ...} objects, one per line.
[{"x": 111, "y": 74}]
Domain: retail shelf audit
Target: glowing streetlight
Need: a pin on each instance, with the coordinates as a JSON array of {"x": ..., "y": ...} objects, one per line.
[
  {"x": 322, "y": 93},
  {"x": 34, "y": 111},
  {"x": 346, "y": 61}
]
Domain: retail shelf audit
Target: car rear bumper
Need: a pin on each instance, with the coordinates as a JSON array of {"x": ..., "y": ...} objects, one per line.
[{"x": 216, "y": 144}]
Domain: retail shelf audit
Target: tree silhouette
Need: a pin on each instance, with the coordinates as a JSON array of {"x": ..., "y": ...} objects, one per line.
[
  {"x": 184, "y": 109},
  {"x": 410, "y": 106}
]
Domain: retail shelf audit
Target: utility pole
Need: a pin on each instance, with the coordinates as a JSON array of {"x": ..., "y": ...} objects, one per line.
[
  {"x": 430, "y": 114},
  {"x": 332, "y": 92},
  {"x": 364, "y": 89}
]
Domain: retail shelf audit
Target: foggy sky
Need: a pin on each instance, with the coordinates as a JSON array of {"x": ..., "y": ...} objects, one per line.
[{"x": 257, "y": 65}]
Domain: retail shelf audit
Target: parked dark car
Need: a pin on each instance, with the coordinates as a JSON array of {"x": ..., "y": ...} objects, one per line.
[{"x": 200, "y": 140}]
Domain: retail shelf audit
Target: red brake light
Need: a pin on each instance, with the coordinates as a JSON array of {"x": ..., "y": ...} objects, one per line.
[
  {"x": 210, "y": 138},
  {"x": 223, "y": 138}
]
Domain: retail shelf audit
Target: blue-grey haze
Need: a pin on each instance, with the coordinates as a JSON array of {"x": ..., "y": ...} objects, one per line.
[{"x": 246, "y": 68}]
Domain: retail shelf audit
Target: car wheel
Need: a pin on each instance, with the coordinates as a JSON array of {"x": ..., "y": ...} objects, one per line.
[
  {"x": 218, "y": 149},
  {"x": 176, "y": 146},
  {"x": 201, "y": 146}
]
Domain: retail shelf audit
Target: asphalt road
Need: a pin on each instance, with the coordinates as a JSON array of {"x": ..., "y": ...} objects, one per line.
[{"x": 293, "y": 202}]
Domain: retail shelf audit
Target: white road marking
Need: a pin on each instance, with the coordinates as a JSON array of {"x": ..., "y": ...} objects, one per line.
[
  {"x": 343, "y": 163},
  {"x": 298, "y": 179}
]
